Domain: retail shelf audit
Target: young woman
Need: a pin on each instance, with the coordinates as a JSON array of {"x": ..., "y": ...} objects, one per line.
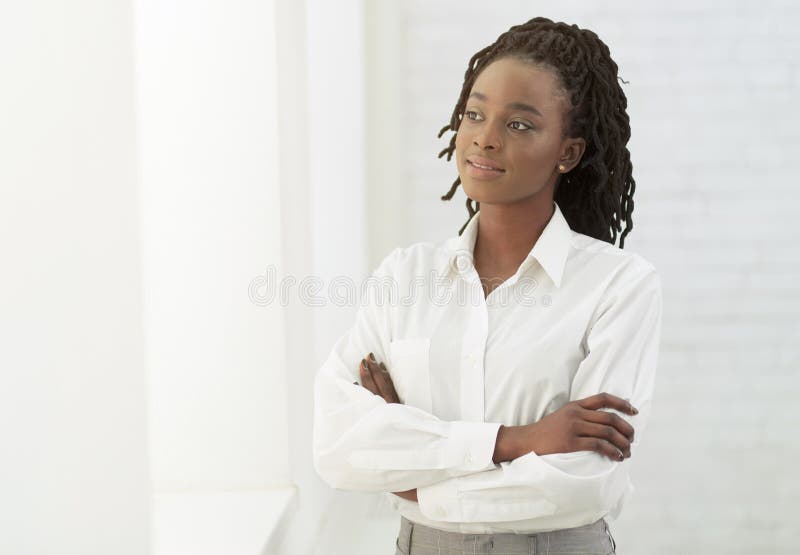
[{"x": 498, "y": 404}]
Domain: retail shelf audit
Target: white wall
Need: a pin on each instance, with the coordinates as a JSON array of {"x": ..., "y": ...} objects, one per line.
[
  {"x": 141, "y": 200},
  {"x": 712, "y": 100},
  {"x": 73, "y": 457},
  {"x": 321, "y": 51},
  {"x": 388, "y": 154},
  {"x": 211, "y": 207}
]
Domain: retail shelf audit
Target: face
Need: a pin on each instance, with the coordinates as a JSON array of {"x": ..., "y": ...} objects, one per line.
[{"x": 513, "y": 120}]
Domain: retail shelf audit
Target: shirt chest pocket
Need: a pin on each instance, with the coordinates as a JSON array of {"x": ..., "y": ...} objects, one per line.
[{"x": 410, "y": 370}]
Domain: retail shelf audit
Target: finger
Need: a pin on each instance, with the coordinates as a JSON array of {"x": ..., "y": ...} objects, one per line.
[
  {"x": 392, "y": 390},
  {"x": 366, "y": 378},
  {"x": 608, "y": 433},
  {"x": 382, "y": 380},
  {"x": 599, "y": 446},
  {"x": 610, "y": 419},
  {"x": 607, "y": 400}
]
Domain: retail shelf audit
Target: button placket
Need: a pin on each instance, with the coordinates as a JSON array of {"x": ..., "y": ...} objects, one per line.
[{"x": 472, "y": 371}]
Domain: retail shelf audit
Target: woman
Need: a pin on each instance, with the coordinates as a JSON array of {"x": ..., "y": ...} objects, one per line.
[{"x": 500, "y": 409}]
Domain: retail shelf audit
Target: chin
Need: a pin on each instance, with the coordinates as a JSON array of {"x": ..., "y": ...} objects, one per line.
[
  {"x": 476, "y": 189},
  {"x": 484, "y": 197},
  {"x": 485, "y": 194}
]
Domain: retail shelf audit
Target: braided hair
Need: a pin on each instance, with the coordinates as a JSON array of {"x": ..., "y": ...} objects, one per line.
[{"x": 598, "y": 193}]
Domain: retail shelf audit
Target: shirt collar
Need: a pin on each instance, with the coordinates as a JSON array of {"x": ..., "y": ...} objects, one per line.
[{"x": 550, "y": 250}]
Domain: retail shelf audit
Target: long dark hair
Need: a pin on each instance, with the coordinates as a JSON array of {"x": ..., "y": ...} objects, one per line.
[{"x": 596, "y": 195}]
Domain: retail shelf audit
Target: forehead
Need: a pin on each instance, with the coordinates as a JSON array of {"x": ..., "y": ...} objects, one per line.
[{"x": 510, "y": 80}]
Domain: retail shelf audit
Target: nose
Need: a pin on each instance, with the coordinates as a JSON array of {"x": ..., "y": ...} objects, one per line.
[{"x": 487, "y": 139}]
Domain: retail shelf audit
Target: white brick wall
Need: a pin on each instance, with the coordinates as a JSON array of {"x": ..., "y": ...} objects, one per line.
[{"x": 714, "y": 123}]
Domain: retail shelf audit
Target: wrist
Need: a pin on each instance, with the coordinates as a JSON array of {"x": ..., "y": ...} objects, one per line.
[{"x": 506, "y": 447}]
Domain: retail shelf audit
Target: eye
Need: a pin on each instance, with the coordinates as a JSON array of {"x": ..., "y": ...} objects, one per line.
[
  {"x": 468, "y": 112},
  {"x": 521, "y": 123}
]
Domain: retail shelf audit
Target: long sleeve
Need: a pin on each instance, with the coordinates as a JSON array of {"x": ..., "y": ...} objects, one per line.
[
  {"x": 362, "y": 443},
  {"x": 621, "y": 346}
]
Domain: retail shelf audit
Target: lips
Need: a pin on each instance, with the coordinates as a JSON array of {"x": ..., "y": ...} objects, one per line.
[{"x": 484, "y": 163}]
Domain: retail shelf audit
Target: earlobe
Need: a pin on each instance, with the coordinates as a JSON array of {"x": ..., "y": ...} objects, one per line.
[{"x": 572, "y": 155}]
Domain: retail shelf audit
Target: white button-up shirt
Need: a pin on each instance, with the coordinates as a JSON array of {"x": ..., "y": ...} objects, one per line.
[{"x": 579, "y": 317}]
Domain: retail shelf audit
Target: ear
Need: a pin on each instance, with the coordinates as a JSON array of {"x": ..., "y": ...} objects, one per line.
[{"x": 571, "y": 153}]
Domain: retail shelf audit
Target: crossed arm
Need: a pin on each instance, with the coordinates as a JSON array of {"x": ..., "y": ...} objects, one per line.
[
  {"x": 511, "y": 441},
  {"x": 375, "y": 377}
]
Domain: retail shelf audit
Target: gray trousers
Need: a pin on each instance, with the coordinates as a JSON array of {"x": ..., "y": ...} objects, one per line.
[{"x": 415, "y": 539}]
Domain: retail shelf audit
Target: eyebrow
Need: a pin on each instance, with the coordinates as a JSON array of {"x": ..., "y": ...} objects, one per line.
[{"x": 512, "y": 105}]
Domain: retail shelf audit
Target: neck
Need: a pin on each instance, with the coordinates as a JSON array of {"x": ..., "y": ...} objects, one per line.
[{"x": 508, "y": 232}]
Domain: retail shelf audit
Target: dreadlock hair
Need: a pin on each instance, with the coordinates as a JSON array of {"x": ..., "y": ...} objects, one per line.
[{"x": 595, "y": 195}]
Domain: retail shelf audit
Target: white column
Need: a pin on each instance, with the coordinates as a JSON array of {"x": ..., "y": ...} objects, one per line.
[
  {"x": 73, "y": 456},
  {"x": 210, "y": 203}
]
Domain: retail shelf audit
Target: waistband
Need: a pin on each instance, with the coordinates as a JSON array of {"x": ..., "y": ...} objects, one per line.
[{"x": 594, "y": 538}]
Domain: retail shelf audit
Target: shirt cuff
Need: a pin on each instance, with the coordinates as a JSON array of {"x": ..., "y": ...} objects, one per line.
[
  {"x": 440, "y": 501},
  {"x": 474, "y": 443}
]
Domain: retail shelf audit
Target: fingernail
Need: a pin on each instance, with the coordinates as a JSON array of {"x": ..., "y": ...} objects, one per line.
[
  {"x": 621, "y": 457},
  {"x": 635, "y": 410},
  {"x": 372, "y": 357},
  {"x": 363, "y": 364}
]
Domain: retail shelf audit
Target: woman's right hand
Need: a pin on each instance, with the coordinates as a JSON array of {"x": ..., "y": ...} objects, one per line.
[{"x": 577, "y": 426}]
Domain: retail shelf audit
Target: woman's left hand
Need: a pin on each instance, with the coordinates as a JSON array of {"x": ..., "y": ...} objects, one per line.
[{"x": 375, "y": 377}]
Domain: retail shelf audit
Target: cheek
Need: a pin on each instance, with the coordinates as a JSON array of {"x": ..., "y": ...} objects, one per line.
[
  {"x": 541, "y": 154},
  {"x": 459, "y": 150},
  {"x": 530, "y": 168},
  {"x": 459, "y": 141}
]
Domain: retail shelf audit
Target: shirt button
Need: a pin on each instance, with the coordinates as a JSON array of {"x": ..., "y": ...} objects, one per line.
[
  {"x": 462, "y": 263},
  {"x": 468, "y": 458}
]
